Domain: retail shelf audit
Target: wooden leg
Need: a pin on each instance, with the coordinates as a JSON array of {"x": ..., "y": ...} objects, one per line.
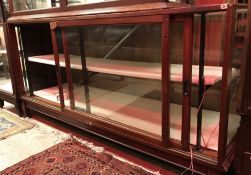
[
  {"x": 26, "y": 111},
  {"x": 1, "y": 103},
  {"x": 18, "y": 107}
]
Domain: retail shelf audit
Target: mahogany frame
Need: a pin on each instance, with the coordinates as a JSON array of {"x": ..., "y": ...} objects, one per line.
[
  {"x": 166, "y": 149},
  {"x": 65, "y": 7},
  {"x": 4, "y": 95},
  {"x": 245, "y": 99}
]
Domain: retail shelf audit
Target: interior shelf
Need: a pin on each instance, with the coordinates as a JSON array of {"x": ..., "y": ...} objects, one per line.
[
  {"x": 212, "y": 74},
  {"x": 132, "y": 110}
]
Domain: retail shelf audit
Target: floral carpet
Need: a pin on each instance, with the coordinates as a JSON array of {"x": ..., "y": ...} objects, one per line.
[
  {"x": 73, "y": 158},
  {"x": 11, "y": 124}
]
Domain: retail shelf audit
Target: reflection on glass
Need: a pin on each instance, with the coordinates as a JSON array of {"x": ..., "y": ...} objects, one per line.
[
  {"x": 73, "y": 2},
  {"x": 39, "y": 74},
  {"x": 116, "y": 72},
  {"x": 176, "y": 96},
  {"x": 20, "y": 5},
  {"x": 211, "y": 98},
  {"x": 234, "y": 117},
  {"x": 5, "y": 81},
  {"x": 209, "y": 101}
]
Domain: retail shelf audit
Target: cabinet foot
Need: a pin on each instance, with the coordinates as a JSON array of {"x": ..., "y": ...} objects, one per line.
[
  {"x": 1, "y": 103},
  {"x": 26, "y": 111}
]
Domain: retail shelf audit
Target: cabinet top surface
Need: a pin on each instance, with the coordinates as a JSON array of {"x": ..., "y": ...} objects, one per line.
[{"x": 125, "y": 11}]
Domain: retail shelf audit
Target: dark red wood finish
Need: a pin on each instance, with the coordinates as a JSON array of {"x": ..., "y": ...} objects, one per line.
[
  {"x": 68, "y": 69},
  {"x": 166, "y": 149},
  {"x": 116, "y": 13},
  {"x": 57, "y": 64},
  {"x": 165, "y": 82},
  {"x": 187, "y": 79},
  {"x": 226, "y": 80},
  {"x": 242, "y": 160},
  {"x": 65, "y": 7},
  {"x": 17, "y": 83},
  {"x": 147, "y": 19},
  {"x": 4, "y": 95},
  {"x": 245, "y": 93},
  {"x": 6, "y": 38}
]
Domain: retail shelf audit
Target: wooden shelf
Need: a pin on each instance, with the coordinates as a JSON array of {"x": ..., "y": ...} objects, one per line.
[{"x": 213, "y": 74}]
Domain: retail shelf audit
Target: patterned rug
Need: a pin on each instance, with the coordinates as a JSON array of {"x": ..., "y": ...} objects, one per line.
[
  {"x": 73, "y": 158},
  {"x": 11, "y": 124}
]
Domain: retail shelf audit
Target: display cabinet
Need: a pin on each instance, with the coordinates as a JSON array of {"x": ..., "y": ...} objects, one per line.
[
  {"x": 7, "y": 83},
  {"x": 161, "y": 78},
  {"x": 243, "y": 158}
]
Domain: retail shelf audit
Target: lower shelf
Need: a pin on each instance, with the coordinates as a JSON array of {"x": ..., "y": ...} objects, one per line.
[{"x": 143, "y": 113}]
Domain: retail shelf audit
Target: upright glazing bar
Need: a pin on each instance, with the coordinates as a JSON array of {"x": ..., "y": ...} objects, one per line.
[
  {"x": 25, "y": 62},
  {"x": 68, "y": 69},
  {"x": 201, "y": 88},
  {"x": 84, "y": 69},
  {"x": 226, "y": 80},
  {"x": 54, "y": 32},
  {"x": 16, "y": 66},
  {"x": 187, "y": 78},
  {"x": 165, "y": 82}
]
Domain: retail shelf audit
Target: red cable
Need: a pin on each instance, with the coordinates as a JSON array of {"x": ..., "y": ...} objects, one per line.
[
  {"x": 198, "y": 109},
  {"x": 211, "y": 134}
]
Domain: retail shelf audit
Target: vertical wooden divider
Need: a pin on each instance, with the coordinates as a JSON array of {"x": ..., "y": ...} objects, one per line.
[
  {"x": 187, "y": 78},
  {"x": 225, "y": 85},
  {"x": 54, "y": 31},
  {"x": 68, "y": 69},
  {"x": 165, "y": 82}
]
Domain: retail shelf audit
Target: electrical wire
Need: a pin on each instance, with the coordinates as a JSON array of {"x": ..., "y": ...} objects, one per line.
[
  {"x": 211, "y": 134},
  {"x": 198, "y": 109},
  {"x": 190, "y": 168}
]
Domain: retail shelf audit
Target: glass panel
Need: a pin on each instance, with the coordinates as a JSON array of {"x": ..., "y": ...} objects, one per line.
[
  {"x": 234, "y": 117},
  {"x": 5, "y": 9},
  {"x": 5, "y": 80},
  {"x": 38, "y": 65},
  {"x": 123, "y": 72},
  {"x": 176, "y": 94},
  {"x": 209, "y": 101},
  {"x": 20, "y": 5},
  {"x": 22, "y": 60},
  {"x": 73, "y": 2}
]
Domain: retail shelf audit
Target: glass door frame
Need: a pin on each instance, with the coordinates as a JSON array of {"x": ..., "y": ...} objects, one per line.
[{"x": 164, "y": 20}]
